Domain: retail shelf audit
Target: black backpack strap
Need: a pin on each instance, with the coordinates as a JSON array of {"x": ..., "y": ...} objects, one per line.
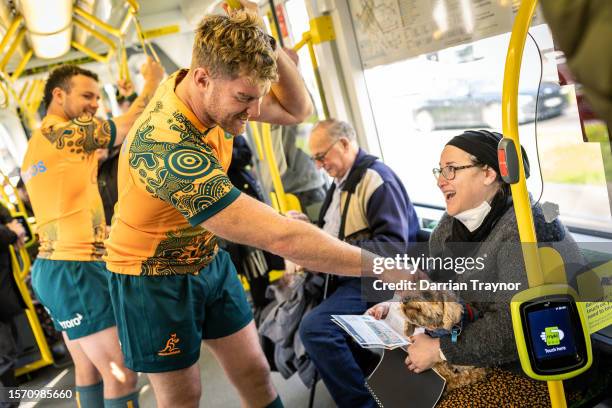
[{"x": 325, "y": 205}]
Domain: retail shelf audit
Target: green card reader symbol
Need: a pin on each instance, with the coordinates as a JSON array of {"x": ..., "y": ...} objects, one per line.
[{"x": 552, "y": 336}]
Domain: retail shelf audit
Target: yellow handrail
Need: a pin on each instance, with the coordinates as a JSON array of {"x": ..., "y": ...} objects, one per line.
[
  {"x": 308, "y": 41},
  {"x": 10, "y": 32},
  {"x": 274, "y": 173},
  {"x": 520, "y": 196},
  {"x": 12, "y": 48},
  {"x": 15, "y": 200},
  {"x": 21, "y": 264}
]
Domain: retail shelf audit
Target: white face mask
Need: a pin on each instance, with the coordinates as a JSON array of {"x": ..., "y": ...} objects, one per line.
[{"x": 473, "y": 218}]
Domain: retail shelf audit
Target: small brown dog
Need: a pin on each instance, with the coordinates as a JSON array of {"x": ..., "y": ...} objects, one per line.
[{"x": 439, "y": 310}]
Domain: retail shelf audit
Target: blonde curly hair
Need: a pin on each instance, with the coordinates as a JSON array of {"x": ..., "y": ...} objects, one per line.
[{"x": 235, "y": 46}]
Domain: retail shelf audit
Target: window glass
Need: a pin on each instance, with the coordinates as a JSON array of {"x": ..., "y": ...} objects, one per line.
[{"x": 420, "y": 103}]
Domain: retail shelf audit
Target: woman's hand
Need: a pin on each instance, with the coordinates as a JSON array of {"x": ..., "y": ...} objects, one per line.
[
  {"x": 379, "y": 311},
  {"x": 423, "y": 353}
]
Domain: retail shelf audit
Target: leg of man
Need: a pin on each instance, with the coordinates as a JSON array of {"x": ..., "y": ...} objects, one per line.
[
  {"x": 245, "y": 365},
  {"x": 84, "y": 371},
  {"x": 102, "y": 349},
  {"x": 180, "y": 388},
  {"x": 328, "y": 347}
]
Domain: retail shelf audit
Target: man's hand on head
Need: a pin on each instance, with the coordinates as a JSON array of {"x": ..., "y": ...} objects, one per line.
[{"x": 249, "y": 6}]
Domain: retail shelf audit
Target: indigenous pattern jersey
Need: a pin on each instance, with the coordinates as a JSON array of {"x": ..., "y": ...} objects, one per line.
[
  {"x": 172, "y": 177},
  {"x": 60, "y": 171}
]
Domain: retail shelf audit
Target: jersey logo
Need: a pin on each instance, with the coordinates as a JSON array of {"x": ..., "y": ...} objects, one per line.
[
  {"x": 171, "y": 347},
  {"x": 33, "y": 170}
]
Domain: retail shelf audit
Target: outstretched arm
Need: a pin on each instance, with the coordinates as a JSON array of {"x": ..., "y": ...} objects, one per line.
[{"x": 249, "y": 222}]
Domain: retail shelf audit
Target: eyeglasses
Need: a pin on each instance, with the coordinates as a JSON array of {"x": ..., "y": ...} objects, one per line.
[
  {"x": 320, "y": 157},
  {"x": 448, "y": 172}
]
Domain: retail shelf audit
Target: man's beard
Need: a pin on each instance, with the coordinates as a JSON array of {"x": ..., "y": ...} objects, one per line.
[{"x": 233, "y": 125}]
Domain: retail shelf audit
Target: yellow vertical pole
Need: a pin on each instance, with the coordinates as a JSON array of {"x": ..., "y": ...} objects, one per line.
[
  {"x": 522, "y": 206},
  {"x": 274, "y": 173}
]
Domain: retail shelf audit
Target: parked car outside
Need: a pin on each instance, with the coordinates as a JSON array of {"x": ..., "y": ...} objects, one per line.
[{"x": 476, "y": 104}]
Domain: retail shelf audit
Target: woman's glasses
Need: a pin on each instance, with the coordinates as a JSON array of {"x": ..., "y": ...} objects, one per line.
[{"x": 448, "y": 172}]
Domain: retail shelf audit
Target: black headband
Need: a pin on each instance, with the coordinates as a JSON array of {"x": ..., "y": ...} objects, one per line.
[{"x": 482, "y": 144}]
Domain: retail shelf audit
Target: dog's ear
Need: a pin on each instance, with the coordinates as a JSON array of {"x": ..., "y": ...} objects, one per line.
[
  {"x": 409, "y": 329},
  {"x": 453, "y": 313}
]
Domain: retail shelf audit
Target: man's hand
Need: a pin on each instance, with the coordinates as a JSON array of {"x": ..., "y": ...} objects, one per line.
[
  {"x": 423, "y": 353},
  {"x": 152, "y": 71},
  {"x": 18, "y": 229},
  {"x": 291, "y": 269},
  {"x": 249, "y": 6},
  {"x": 379, "y": 311},
  {"x": 126, "y": 88}
]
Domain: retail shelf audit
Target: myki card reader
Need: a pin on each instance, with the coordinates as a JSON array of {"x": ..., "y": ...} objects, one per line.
[{"x": 551, "y": 332}]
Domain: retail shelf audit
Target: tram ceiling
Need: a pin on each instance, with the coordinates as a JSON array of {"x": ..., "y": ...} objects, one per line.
[{"x": 36, "y": 33}]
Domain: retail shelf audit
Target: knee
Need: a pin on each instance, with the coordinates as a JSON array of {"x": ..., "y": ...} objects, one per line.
[
  {"x": 256, "y": 373},
  {"x": 187, "y": 394},
  {"x": 131, "y": 379},
  {"x": 314, "y": 329},
  {"x": 120, "y": 376}
]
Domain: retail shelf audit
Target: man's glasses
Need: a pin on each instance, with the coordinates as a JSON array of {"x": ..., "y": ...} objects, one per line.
[
  {"x": 320, "y": 157},
  {"x": 448, "y": 172}
]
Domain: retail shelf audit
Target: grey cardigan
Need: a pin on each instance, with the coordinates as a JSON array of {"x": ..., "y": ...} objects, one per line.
[{"x": 489, "y": 341}]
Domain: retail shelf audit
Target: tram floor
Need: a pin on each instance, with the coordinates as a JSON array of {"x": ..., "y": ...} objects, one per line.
[{"x": 217, "y": 392}]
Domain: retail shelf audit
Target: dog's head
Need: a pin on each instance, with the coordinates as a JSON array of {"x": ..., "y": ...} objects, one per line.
[{"x": 431, "y": 309}]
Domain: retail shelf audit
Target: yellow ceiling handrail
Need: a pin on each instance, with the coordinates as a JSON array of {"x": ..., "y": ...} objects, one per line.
[
  {"x": 18, "y": 40},
  {"x": 95, "y": 33},
  {"x": 26, "y": 58},
  {"x": 141, "y": 37},
  {"x": 91, "y": 53},
  {"x": 124, "y": 69},
  {"x": 11, "y": 31},
  {"x": 26, "y": 112},
  {"x": 4, "y": 102},
  {"x": 90, "y": 18}
]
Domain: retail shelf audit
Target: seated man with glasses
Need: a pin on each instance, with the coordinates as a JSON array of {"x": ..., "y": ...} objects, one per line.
[{"x": 366, "y": 205}]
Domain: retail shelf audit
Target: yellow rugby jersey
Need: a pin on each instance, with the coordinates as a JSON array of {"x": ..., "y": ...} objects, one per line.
[
  {"x": 172, "y": 177},
  {"x": 60, "y": 172}
]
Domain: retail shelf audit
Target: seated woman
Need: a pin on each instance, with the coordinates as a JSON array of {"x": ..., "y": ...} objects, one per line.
[{"x": 479, "y": 220}]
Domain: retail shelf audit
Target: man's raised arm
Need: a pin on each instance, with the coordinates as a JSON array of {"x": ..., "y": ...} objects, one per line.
[
  {"x": 153, "y": 73},
  {"x": 288, "y": 102}
]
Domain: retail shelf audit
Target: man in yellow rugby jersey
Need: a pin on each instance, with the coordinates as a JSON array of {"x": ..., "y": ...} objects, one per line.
[
  {"x": 172, "y": 288},
  {"x": 69, "y": 277}
]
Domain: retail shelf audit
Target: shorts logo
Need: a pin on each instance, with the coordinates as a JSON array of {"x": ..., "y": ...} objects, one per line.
[
  {"x": 171, "y": 347},
  {"x": 69, "y": 324}
]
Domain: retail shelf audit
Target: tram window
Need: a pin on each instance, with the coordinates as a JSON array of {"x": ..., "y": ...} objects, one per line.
[
  {"x": 299, "y": 23},
  {"x": 420, "y": 103}
]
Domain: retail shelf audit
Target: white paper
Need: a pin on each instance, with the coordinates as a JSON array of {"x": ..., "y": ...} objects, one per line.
[{"x": 369, "y": 332}]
